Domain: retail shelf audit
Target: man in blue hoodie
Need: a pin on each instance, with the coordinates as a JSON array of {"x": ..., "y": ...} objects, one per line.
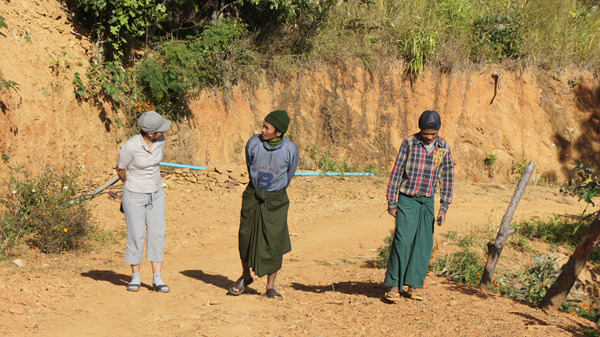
[{"x": 263, "y": 237}]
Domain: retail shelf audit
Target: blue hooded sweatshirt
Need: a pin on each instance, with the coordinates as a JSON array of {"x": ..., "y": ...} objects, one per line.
[{"x": 271, "y": 168}]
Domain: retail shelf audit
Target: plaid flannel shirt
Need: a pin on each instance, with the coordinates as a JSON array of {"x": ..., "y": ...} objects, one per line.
[{"x": 416, "y": 172}]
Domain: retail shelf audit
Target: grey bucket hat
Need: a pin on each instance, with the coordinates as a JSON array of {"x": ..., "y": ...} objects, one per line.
[{"x": 152, "y": 122}]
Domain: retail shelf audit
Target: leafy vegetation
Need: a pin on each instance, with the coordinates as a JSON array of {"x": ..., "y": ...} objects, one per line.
[
  {"x": 120, "y": 24},
  {"x": 46, "y": 209},
  {"x": 180, "y": 68},
  {"x": 464, "y": 266},
  {"x": 530, "y": 283},
  {"x": 3, "y": 24},
  {"x": 6, "y": 84},
  {"x": 326, "y": 162},
  {"x": 166, "y": 51},
  {"x": 80, "y": 89},
  {"x": 490, "y": 164}
]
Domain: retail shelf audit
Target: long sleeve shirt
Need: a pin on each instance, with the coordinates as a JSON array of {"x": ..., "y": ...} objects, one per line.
[
  {"x": 271, "y": 168},
  {"x": 417, "y": 171}
]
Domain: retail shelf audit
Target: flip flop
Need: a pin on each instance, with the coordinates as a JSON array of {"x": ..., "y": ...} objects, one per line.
[
  {"x": 272, "y": 293},
  {"x": 392, "y": 296},
  {"x": 417, "y": 296},
  {"x": 240, "y": 285}
]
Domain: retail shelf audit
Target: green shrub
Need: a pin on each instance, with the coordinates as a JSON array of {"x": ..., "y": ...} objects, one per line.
[
  {"x": 110, "y": 80},
  {"x": 490, "y": 163},
  {"x": 181, "y": 68},
  {"x": 518, "y": 168},
  {"x": 80, "y": 89},
  {"x": 48, "y": 209},
  {"x": 498, "y": 37},
  {"x": 417, "y": 46},
  {"x": 383, "y": 252},
  {"x": 585, "y": 185},
  {"x": 530, "y": 284},
  {"x": 119, "y": 23},
  {"x": 3, "y": 24},
  {"x": 7, "y": 84},
  {"x": 464, "y": 266}
]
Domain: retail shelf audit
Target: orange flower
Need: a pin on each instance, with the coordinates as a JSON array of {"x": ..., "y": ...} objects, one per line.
[{"x": 66, "y": 230}]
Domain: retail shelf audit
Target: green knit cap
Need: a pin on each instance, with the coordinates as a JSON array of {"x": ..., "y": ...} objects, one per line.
[{"x": 279, "y": 119}]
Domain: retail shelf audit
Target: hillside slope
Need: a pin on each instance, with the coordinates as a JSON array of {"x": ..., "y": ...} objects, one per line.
[{"x": 347, "y": 112}]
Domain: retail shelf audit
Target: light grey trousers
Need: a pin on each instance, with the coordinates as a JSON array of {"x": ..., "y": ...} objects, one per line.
[{"x": 144, "y": 212}]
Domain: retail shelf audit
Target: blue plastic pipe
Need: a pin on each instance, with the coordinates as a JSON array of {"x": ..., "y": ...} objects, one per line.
[
  {"x": 310, "y": 174},
  {"x": 112, "y": 181},
  {"x": 184, "y": 166},
  {"x": 329, "y": 174}
]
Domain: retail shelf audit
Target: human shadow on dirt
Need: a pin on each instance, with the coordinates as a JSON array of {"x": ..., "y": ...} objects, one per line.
[
  {"x": 112, "y": 277},
  {"x": 216, "y": 280},
  {"x": 576, "y": 329},
  {"x": 468, "y": 290},
  {"x": 369, "y": 289},
  {"x": 482, "y": 293}
]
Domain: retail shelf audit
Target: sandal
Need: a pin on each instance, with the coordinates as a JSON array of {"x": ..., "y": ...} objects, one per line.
[
  {"x": 272, "y": 293},
  {"x": 161, "y": 288},
  {"x": 392, "y": 296},
  {"x": 417, "y": 296},
  {"x": 240, "y": 285},
  {"x": 134, "y": 287}
]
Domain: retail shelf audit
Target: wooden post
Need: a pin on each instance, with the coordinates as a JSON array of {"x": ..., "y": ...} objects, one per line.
[
  {"x": 570, "y": 271},
  {"x": 495, "y": 249}
]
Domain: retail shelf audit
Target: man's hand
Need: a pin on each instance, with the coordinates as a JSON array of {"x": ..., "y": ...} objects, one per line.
[
  {"x": 392, "y": 212},
  {"x": 441, "y": 217}
]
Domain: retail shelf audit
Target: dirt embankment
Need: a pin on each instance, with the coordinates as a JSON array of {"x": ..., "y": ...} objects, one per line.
[{"x": 349, "y": 113}]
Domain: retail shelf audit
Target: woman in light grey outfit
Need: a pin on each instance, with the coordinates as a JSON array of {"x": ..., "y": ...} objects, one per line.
[{"x": 143, "y": 197}]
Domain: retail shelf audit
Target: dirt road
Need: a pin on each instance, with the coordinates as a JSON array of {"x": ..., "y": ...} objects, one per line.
[{"x": 330, "y": 289}]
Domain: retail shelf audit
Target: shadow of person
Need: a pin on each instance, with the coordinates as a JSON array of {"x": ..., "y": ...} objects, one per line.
[
  {"x": 112, "y": 277},
  {"x": 468, "y": 290},
  {"x": 216, "y": 280},
  {"x": 369, "y": 289},
  {"x": 575, "y": 328}
]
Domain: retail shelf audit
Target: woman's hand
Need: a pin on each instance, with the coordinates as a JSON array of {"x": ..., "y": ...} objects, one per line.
[{"x": 121, "y": 173}]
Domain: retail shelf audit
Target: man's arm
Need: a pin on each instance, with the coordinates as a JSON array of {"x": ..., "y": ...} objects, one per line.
[
  {"x": 446, "y": 187},
  {"x": 396, "y": 178}
]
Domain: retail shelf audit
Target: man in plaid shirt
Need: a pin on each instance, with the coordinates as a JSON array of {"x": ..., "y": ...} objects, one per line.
[{"x": 423, "y": 160}]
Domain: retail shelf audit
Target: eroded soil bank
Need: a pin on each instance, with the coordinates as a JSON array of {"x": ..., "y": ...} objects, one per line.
[{"x": 345, "y": 112}]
